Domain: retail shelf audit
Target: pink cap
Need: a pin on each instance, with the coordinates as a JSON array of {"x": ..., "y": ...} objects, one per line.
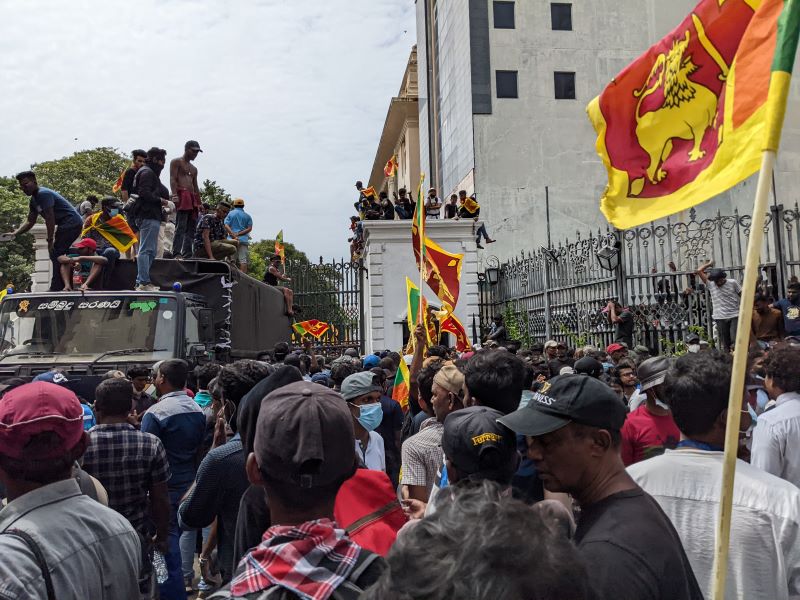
[{"x": 35, "y": 408}]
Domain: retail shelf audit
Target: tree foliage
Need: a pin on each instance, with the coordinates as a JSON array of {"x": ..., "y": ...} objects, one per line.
[
  {"x": 16, "y": 256},
  {"x": 212, "y": 194},
  {"x": 88, "y": 172}
]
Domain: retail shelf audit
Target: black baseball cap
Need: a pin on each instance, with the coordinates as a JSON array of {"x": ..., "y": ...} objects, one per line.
[
  {"x": 568, "y": 399},
  {"x": 304, "y": 436},
  {"x": 192, "y": 145},
  {"x": 589, "y": 366},
  {"x": 717, "y": 274},
  {"x": 476, "y": 444}
]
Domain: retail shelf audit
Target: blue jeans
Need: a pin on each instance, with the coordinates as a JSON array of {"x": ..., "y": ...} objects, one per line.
[
  {"x": 188, "y": 546},
  {"x": 173, "y": 588},
  {"x": 482, "y": 232},
  {"x": 148, "y": 244},
  {"x": 185, "y": 225}
]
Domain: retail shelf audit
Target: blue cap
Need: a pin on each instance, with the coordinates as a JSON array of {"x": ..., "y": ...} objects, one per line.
[{"x": 371, "y": 361}]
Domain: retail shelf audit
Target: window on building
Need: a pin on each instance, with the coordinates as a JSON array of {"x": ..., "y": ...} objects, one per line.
[
  {"x": 507, "y": 84},
  {"x": 561, "y": 16},
  {"x": 565, "y": 85},
  {"x": 503, "y": 15}
]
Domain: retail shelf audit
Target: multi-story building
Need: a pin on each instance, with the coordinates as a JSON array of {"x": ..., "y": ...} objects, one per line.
[
  {"x": 400, "y": 137},
  {"x": 503, "y": 90}
]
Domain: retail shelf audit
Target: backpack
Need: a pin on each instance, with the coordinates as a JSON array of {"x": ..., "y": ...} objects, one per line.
[
  {"x": 368, "y": 509},
  {"x": 365, "y": 573}
]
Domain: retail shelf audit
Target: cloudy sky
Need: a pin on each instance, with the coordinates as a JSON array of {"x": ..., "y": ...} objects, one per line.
[{"x": 286, "y": 97}]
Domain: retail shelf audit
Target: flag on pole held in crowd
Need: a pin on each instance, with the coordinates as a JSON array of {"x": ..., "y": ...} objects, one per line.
[
  {"x": 280, "y": 250},
  {"x": 116, "y": 231},
  {"x": 686, "y": 120},
  {"x": 118, "y": 183},
  {"x": 401, "y": 386},
  {"x": 451, "y": 324},
  {"x": 314, "y": 328},
  {"x": 417, "y": 305},
  {"x": 390, "y": 170},
  {"x": 441, "y": 271}
]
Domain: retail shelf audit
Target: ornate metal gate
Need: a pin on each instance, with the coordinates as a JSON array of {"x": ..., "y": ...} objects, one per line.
[
  {"x": 331, "y": 292},
  {"x": 561, "y": 292}
]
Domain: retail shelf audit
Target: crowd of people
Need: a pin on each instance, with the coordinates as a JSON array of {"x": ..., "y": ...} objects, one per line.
[
  {"x": 542, "y": 472},
  {"x": 372, "y": 206},
  {"x": 146, "y": 221}
]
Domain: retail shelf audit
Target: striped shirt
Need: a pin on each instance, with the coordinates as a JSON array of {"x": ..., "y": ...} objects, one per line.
[
  {"x": 422, "y": 454},
  {"x": 725, "y": 299}
]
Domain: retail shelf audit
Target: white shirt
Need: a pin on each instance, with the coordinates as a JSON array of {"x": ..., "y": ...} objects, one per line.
[
  {"x": 764, "y": 553},
  {"x": 375, "y": 457},
  {"x": 776, "y": 439}
]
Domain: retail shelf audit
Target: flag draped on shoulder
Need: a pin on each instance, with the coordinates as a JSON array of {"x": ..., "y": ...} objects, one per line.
[
  {"x": 686, "y": 120},
  {"x": 402, "y": 382},
  {"x": 280, "y": 250},
  {"x": 116, "y": 230},
  {"x": 314, "y": 328}
]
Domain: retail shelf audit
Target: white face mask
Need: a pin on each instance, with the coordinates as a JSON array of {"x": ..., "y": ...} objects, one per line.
[{"x": 693, "y": 348}]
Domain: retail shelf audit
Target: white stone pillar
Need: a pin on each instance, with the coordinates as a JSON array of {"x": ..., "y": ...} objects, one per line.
[
  {"x": 389, "y": 259},
  {"x": 42, "y": 267}
]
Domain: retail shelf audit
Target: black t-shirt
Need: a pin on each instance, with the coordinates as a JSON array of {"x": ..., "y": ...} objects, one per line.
[
  {"x": 450, "y": 211},
  {"x": 632, "y": 550},
  {"x": 556, "y": 364},
  {"x": 127, "y": 180},
  {"x": 623, "y": 330}
]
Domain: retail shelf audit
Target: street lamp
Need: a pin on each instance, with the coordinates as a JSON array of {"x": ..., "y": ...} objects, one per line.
[
  {"x": 493, "y": 270},
  {"x": 608, "y": 257}
]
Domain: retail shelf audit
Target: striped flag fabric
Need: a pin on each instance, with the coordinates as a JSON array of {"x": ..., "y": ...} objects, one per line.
[
  {"x": 314, "y": 328},
  {"x": 401, "y": 388},
  {"x": 280, "y": 249},
  {"x": 116, "y": 230}
]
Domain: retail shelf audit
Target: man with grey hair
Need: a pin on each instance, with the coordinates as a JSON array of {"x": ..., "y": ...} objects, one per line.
[{"x": 463, "y": 551}]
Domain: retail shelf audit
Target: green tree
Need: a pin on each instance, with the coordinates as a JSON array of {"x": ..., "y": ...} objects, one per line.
[
  {"x": 16, "y": 256},
  {"x": 88, "y": 172},
  {"x": 212, "y": 194}
]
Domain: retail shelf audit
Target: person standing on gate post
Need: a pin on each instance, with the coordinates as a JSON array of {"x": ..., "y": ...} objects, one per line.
[
  {"x": 186, "y": 196},
  {"x": 238, "y": 225},
  {"x": 725, "y": 297},
  {"x": 61, "y": 219}
]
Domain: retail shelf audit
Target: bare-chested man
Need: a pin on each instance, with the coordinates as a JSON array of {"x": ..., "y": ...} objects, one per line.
[{"x": 186, "y": 196}]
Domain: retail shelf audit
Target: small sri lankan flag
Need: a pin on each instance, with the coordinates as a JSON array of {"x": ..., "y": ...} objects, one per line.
[
  {"x": 401, "y": 387},
  {"x": 118, "y": 183},
  {"x": 280, "y": 249},
  {"x": 116, "y": 230},
  {"x": 314, "y": 328},
  {"x": 390, "y": 170},
  {"x": 689, "y": 119}
]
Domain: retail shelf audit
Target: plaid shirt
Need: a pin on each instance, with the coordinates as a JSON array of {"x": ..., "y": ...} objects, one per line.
[
  {"x": 311, "y": 559},
  {"x": 127, "y": 462},
  {"x": 422, "y": 454}
]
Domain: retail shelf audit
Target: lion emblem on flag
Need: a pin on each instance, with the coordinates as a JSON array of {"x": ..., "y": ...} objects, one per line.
[{"x": 687, "y": 111}]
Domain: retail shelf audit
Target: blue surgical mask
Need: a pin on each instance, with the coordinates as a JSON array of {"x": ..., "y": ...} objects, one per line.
[
  {"x": 113, "y": 212},
  {"x": 370, "y": 416},
  {"x": 203, "y": 398}
]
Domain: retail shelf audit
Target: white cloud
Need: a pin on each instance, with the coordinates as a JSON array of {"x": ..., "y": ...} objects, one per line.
[{"x": 287, "y": 98}]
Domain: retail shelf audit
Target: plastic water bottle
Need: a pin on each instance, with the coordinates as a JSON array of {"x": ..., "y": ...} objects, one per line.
[{"x": 159, "y": 567}]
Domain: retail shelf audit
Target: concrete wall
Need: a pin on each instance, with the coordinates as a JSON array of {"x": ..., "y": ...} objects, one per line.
[
  {"x": 42, "y": 267},
  {"x": 389, "y": 259}
]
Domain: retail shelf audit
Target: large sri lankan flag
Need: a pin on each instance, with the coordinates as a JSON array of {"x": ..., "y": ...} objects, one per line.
[{"x": 686, "y": 120}]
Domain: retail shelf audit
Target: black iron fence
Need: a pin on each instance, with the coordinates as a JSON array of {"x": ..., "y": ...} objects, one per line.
[
  {"x": 331, "y": 292},
  {"x": 561, "y": 292}
]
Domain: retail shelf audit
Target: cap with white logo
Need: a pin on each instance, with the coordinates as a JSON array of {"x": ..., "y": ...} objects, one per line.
[{"x": 568, "y": 399}]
